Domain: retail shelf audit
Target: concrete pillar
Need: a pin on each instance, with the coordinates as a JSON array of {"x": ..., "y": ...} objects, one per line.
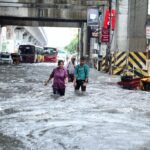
[
  {"x": 88, "y": 42},
  {"x": 3, "y": 39},
  {"x": 0, "y": 38},
  {"x": 136, "y": 26},
  {"x": 85, "y": 42},
  {"x": 10, "y": 39},
  {"x": 129, "y": 34},
  {"x": 18, "y": 37},
  {"x": 85, "y": 39},
  {"x": 81, "y": 40},
  {"x": 121, "y": 29}
]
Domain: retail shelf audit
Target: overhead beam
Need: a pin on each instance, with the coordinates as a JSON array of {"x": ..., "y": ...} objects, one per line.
[
  {"x": 71, "y": 2},
  {"x": 80, "y": 5},
  {"x": 73, "y": 12},
  {"x": 50, "y": 13},
  {"x": 37, "y": 23},
  {"x": 56, "y": 6}
]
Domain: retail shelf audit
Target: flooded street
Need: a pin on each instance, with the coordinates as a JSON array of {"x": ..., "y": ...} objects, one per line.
[{"x": 106, "y": 118}]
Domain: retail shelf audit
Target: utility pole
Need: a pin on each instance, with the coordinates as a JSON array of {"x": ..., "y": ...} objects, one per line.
[
  {"x": 101, "y": 18},
  {"x": 110, "y": 56},
  {"x": 108, "y": 52}
]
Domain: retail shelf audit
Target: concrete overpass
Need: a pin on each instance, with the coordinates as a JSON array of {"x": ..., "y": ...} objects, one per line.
[
  {"x": 61, "y": 13},
  {"x": 52, "y": 13},
  {"x": 130, "y": 25},
  {"x": 129, "y": 34},
  {"x": 13, "y": 36}
]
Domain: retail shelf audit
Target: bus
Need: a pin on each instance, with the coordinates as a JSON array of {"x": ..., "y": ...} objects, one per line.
[
  {"x": 31, "y": 53},
  {"x": 50, "y": 54}
]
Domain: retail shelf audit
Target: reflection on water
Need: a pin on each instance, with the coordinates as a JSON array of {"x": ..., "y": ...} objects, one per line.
[{"x": 106, "y": 118}]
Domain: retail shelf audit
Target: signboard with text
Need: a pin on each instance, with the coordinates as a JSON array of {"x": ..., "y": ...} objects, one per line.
[
  {"x": 94, "y": 31},
  {"x": 92, "y": 16},
  {"x": 105, "y": 36}
]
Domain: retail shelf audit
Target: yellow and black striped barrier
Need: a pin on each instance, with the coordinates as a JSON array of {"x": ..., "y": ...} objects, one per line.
[
  {"x": 136, "y": 63},
  {"x": 103, "y": 64},
  {"x": 119, "y": 61},
  {"x": 133, "y": 62}
]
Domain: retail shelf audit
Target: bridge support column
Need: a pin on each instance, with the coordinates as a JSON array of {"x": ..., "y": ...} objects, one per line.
[
  {"x": 18, "y": 37},
  {"x": 81, "y": 40},
  {"x": 86, "y": 43},
  {"x": 85, "y": 53},
  {"x": 88, "y": 51},
  {"x": 10, "y": 39},
  {"x": 0, "y": 38}
]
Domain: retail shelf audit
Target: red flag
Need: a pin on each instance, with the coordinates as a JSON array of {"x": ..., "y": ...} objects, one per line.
[{"x": 107, "y": 19}]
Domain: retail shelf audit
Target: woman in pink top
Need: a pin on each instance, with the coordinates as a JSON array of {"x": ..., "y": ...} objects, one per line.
[{"x": 59, "y": 75}]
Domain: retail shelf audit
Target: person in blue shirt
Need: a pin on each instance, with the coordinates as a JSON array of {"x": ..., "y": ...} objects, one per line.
[{"x": 81, "y": 75}]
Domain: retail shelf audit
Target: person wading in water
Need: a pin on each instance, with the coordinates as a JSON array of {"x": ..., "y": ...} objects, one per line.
[
  {"x": 81, "y": 74},
  {"x": 70, "y": 69},
  {"x": 59, "y": 76}
]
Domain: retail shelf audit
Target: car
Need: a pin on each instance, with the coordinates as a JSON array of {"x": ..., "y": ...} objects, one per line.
[
  {"x": 5, "y": 58},
  {"x": 62, "y": 55}
]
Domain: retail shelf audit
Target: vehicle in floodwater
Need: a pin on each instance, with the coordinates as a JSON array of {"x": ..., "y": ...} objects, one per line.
[
  {"x": 50, "y": 54},
  {"x": 30, "y": 53},
  {"x": 5, "y": 58}
]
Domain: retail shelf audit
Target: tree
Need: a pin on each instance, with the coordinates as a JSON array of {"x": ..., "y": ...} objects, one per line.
[{"x": 72, "y": 46}]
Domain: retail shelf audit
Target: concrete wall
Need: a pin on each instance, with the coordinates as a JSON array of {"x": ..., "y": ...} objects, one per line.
[
  {"x": 137, "y": 20},
  {"x": 130, "y": 25},
  {"x": 121, "y": 40}
]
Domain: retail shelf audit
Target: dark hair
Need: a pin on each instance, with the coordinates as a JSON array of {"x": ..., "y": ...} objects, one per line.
[
  {"x": 60, "y": 61},
  {"x": 82, "y": 58}
]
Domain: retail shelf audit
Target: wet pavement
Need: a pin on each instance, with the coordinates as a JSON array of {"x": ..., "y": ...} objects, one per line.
[{"x": 106, "y": 118}]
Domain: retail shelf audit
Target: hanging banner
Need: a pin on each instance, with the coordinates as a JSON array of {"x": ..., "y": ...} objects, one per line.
[
  {"x": 107, "y": 19},
  {"x": 92, "y": 16}
]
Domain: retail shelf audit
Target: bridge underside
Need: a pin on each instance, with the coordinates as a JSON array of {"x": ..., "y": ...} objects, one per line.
[
  {"x": 59, "y": 13},
  {"x": 39, "y": 22}
]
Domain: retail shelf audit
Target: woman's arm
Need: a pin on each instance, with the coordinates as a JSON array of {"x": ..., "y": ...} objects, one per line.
[
  {"x": 50, "y": 77},
  {"x": 46, "y": 82}
]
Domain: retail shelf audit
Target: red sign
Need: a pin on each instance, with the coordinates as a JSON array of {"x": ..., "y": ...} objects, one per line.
[
  {"x": 105, "y": 37},
  {"x": 107, "y": 19}
]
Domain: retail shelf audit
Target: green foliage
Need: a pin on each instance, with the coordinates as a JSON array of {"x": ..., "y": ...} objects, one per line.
[{"x": 72, "y": 46}]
